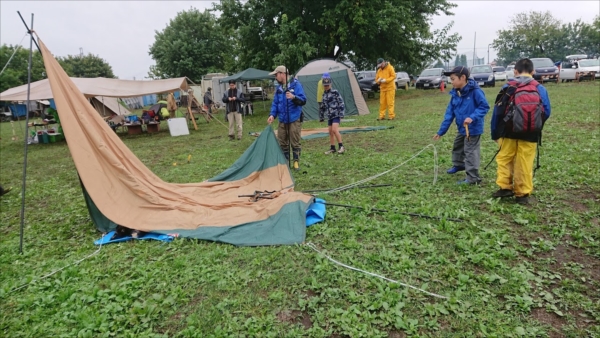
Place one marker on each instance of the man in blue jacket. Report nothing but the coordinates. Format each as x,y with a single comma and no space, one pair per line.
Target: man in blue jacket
287,107
467,107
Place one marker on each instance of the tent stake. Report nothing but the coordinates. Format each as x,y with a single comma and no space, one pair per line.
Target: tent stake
393,211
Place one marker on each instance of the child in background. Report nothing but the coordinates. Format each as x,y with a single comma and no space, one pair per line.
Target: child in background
333,108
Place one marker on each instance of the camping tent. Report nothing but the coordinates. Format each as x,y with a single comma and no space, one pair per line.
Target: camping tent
343,80
120,189
108,106
248,75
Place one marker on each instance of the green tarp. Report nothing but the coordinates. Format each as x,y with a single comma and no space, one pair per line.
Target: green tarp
287,226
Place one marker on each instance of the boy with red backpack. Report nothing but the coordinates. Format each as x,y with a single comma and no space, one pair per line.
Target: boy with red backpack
522,107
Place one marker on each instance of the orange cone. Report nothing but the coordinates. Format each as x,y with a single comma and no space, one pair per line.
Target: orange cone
442,86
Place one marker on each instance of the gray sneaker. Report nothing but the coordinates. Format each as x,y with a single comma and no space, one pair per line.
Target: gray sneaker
330,151
341,150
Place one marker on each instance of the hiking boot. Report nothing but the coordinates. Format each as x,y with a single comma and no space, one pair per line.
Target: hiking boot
454,170
330,151
522,200
296,165
341,150
503,193
381,119
231,138
5,191
391,118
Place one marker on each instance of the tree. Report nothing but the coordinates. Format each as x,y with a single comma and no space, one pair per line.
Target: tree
86,66
463,60
15,73
537,34
292,32
191,45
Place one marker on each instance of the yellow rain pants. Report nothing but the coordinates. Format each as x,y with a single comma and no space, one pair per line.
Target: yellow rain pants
515,165
386,101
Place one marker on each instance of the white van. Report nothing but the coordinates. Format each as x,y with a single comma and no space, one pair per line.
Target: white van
574,68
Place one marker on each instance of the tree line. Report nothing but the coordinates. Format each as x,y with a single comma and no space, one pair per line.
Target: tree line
15,73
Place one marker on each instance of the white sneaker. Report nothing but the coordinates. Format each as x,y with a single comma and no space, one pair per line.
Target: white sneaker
341,150
330,151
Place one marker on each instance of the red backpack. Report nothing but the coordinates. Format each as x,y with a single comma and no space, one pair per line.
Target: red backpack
524,113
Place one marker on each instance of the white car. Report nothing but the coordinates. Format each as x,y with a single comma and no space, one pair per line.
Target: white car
402,80
510,72
570,71
499,73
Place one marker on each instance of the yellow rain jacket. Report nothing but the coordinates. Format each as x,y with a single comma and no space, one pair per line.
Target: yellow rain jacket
389,75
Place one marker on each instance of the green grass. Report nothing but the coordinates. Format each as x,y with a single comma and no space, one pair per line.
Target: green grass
508,270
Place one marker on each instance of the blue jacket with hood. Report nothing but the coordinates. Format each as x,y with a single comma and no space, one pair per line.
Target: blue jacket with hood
294,106
470,102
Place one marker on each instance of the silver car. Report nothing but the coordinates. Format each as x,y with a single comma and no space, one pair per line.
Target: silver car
402,80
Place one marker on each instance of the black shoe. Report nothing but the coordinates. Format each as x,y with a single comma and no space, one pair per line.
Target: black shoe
522,200
503,193
231,138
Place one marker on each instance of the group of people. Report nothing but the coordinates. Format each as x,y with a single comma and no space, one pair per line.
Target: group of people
520,111
287,105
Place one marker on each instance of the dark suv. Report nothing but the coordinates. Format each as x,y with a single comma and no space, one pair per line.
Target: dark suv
431,78
483,75
545,70
366,81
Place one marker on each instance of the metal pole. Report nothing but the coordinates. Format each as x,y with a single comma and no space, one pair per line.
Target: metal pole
26,135
474,41
489,63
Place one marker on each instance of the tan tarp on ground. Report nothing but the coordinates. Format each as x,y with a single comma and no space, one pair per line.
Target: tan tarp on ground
129,194
99,86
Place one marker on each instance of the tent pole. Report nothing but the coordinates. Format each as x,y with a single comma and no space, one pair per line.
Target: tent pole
30,31
103,107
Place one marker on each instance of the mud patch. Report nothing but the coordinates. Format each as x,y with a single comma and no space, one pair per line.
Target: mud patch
551,319
295,317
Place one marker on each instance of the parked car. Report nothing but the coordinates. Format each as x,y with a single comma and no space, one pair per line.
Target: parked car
499,73
430,78
257,93
574,70
483,75
545,70
510,72
402,80
366,81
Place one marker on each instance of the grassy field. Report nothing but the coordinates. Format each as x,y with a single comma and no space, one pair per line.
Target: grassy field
508,270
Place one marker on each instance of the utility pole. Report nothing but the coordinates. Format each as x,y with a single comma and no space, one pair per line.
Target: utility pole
80,52
489,61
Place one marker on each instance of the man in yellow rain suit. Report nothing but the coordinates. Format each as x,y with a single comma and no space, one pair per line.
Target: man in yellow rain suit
385,77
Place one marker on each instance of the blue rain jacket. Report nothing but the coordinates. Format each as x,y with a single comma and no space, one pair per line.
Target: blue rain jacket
470,102
294,107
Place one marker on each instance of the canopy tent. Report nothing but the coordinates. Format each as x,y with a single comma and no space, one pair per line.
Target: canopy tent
120,189
248,75
343,80
99,86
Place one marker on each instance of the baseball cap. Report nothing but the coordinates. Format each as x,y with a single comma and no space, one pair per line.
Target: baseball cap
326,81
279,69
231,81
379,62
458,70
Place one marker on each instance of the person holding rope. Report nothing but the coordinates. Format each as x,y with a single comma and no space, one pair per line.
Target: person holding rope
287,107
467,107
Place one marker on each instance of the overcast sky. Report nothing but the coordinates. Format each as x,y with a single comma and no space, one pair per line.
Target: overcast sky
121,32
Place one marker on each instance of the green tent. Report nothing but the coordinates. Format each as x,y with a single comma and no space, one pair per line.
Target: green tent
248,75
343,80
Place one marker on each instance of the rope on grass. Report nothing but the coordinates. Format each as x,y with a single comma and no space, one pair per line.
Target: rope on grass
363,181
52,273
312,246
